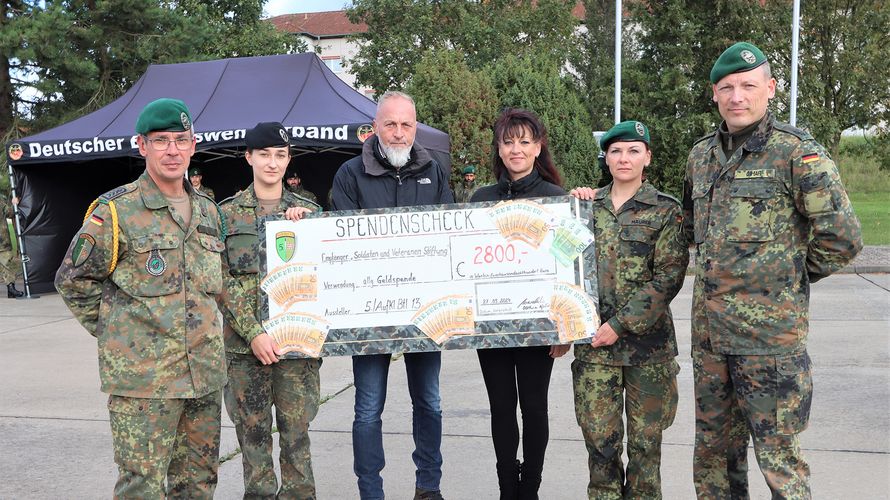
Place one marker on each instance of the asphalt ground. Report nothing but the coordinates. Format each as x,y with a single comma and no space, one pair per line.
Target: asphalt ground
55,440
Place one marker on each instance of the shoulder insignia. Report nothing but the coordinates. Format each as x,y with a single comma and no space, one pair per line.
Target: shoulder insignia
118,192
705,137
305,200
790,129
665,195
227,200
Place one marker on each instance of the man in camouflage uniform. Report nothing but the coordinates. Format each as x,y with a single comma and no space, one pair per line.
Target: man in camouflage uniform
7,253
295,186
196,177
144,275
464,191
768,215
641,260
258,379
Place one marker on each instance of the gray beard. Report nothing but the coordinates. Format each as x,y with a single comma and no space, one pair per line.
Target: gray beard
397,157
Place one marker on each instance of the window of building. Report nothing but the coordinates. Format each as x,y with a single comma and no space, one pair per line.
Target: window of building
335,63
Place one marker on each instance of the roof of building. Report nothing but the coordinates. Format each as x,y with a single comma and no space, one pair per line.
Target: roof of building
334,23
318,24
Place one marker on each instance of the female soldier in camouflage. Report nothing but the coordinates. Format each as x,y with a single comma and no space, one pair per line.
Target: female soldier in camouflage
641,261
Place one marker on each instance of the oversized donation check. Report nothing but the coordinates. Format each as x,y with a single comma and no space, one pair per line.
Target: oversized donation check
426,278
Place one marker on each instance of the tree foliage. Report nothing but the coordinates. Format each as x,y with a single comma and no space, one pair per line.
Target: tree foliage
452,97
534,83
844,78
400,32
64,58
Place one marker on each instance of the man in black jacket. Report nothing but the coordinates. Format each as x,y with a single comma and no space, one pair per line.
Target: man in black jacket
392,171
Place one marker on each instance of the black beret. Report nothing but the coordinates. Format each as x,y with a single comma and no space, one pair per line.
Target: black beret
267,135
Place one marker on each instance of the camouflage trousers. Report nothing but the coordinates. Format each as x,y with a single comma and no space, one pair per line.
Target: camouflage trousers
767,396
648,396
8,264
292,386
173,438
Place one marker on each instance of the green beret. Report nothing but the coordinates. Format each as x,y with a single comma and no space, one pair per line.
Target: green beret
739,58
469,169
624,132
194,171
267,135
169,115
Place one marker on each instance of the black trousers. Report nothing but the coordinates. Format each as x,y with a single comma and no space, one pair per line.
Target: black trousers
518,374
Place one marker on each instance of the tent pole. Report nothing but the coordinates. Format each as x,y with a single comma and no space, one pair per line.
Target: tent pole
795,36
18,234
618,20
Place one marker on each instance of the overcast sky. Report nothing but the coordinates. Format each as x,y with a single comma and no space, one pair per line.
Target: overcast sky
278,7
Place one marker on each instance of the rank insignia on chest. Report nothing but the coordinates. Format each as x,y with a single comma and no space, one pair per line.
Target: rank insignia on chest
82,249
155,265
285,245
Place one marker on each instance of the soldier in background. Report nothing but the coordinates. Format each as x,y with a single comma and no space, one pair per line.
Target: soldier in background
630,368
8,252
145,275
464,191
195,176
766,211
258,379
295,186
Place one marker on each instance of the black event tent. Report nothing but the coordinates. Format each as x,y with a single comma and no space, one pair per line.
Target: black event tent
57,173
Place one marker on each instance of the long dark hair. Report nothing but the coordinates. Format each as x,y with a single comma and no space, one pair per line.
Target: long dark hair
511,124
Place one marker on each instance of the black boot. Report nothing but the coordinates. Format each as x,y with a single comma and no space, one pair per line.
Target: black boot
508,480
529,484
12,293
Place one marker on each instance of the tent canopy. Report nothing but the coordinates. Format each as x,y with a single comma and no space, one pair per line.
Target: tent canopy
58,172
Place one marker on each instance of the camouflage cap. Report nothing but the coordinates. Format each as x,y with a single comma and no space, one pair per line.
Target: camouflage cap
469,169
625,132
169,115
267,135
739,58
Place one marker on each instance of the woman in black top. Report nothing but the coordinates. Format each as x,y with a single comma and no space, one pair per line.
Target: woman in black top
522,164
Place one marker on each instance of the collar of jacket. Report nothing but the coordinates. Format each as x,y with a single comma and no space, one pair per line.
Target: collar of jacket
525,184
757,141
646,194
376,165
152,196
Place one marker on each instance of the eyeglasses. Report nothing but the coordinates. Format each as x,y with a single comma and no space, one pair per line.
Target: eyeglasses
162,143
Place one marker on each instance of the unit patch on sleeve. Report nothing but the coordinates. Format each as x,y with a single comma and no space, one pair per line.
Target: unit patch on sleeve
82,249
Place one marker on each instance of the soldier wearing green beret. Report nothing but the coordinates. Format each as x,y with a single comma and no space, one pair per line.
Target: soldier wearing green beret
258,379
145,275
767,214
464,191
294,184
630,369
196,176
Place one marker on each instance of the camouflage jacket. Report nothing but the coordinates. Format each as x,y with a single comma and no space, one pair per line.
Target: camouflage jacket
209,192
463,193
766,223
641,260
155,316
244,253
5,241
302,193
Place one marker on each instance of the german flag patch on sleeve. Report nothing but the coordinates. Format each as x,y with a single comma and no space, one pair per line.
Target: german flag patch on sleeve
809,158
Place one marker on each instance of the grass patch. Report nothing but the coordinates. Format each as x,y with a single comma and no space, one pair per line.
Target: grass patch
873,210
